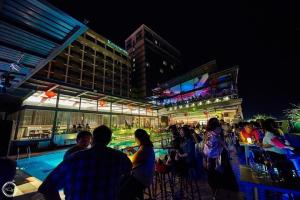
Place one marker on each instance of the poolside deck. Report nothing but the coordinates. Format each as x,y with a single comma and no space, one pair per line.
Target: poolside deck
27,187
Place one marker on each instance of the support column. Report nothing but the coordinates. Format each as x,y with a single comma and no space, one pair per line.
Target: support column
104,73
139,117
54,120
17,125
113,78
110,115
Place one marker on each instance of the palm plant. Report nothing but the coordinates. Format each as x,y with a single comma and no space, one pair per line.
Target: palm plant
293,114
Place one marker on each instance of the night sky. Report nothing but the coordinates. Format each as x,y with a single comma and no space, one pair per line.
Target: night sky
262,37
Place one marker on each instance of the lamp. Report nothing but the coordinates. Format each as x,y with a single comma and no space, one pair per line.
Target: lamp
249,140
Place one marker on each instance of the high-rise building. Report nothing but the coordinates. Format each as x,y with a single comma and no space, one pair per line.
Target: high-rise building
93,63
154,60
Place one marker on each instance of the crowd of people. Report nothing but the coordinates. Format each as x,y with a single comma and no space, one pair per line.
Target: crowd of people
92,170
217,141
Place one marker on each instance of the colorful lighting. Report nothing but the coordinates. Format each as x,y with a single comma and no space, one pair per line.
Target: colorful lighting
102,103
50,94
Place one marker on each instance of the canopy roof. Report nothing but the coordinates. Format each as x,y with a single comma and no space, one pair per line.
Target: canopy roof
32,33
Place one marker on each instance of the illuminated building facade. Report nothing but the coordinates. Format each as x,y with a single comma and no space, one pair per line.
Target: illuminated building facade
86,85
201,94
154,61
91,62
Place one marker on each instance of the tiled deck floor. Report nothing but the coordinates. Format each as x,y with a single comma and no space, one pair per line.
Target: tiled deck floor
27,187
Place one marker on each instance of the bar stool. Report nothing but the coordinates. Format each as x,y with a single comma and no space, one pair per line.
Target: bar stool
187,183
164,180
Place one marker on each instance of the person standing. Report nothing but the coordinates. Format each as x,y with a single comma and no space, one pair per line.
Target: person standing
95,173
216,160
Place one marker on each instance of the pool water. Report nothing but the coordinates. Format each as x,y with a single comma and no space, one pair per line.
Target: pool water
40,166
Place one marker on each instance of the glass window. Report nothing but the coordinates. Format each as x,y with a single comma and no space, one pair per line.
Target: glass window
40,98
63,122
149,112
70,102
88,104
142,111
103,106
135,110
116,108
128,120
128,44
105,120
92,120
127,109
35,124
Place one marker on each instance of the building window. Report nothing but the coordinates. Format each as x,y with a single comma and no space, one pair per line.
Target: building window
90,38
172,67
147,64
165,63
133,60
128,44
161,71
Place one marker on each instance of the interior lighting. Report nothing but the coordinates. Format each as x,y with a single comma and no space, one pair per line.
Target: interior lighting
226,98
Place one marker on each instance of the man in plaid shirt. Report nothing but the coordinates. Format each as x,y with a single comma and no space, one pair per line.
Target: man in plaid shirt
90,174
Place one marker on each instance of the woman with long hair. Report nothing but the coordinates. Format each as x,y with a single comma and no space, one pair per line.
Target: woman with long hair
186,153
143,161
276,148
216,162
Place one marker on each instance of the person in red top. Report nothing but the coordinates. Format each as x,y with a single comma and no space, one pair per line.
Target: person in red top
249,132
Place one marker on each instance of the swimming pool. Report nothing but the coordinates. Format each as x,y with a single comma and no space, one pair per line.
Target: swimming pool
40,166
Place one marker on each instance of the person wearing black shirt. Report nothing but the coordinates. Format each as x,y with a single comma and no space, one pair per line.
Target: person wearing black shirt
83,140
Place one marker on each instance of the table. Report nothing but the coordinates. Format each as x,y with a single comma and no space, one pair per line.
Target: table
246,145
260,186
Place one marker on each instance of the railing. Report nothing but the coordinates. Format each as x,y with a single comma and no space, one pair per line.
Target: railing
231,94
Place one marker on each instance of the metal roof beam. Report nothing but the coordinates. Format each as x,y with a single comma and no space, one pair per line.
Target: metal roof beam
53,87
81,93
23,50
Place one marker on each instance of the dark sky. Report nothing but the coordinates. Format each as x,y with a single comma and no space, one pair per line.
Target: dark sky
262,37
